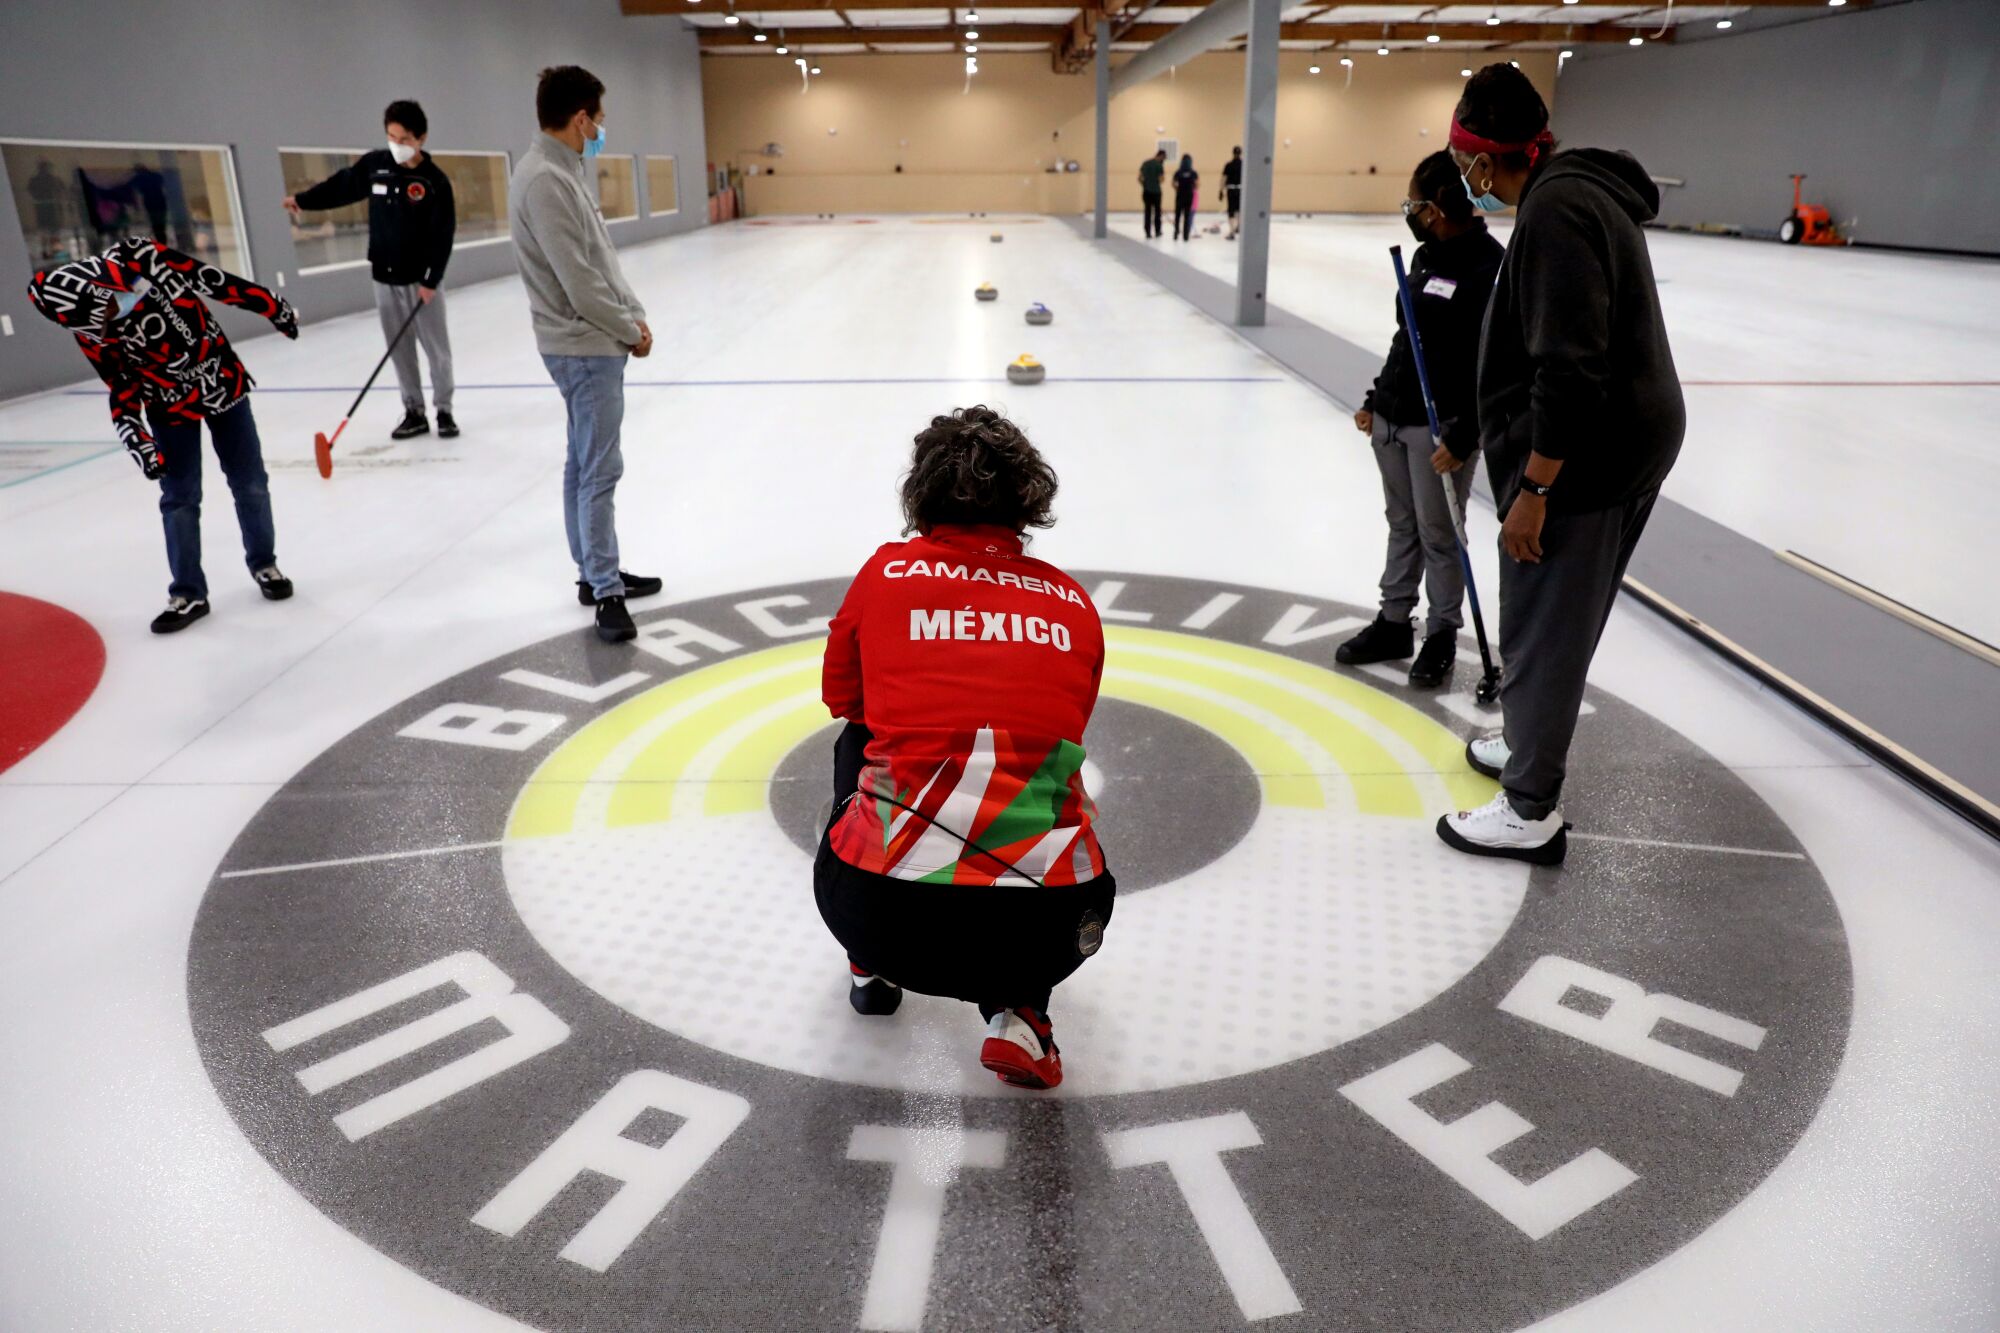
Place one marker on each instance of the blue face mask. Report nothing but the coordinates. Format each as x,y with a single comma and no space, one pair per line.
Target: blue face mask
592,147
1485,203
129,301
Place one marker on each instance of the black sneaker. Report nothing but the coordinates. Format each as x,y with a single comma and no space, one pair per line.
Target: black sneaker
1382,641
414,423
1435,662
871,995
636,585
180,613
614,622
447,428
274,585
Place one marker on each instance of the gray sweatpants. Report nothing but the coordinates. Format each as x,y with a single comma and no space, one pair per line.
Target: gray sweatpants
393,305
1422,542
1551,616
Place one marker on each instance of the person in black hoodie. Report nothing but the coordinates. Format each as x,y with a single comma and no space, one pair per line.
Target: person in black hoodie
411,222
1451,274
1581,418
1185,181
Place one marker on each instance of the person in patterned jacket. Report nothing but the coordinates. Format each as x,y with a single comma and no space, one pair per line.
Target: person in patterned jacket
962,857
138,315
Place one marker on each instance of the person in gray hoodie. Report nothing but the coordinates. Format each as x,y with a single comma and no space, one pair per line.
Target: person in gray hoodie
587,320
1581,418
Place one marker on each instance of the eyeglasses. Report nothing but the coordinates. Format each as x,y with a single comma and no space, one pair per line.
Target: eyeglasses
1410,206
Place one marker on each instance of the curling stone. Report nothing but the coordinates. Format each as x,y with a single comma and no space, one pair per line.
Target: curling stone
1040,314
986,291
997,238
1026,370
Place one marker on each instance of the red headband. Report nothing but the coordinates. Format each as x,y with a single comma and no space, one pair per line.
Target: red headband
1465,141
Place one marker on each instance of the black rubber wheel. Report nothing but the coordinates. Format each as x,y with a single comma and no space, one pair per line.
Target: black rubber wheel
1792,230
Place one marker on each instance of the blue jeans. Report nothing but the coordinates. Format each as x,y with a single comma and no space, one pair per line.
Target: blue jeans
593,390
237,448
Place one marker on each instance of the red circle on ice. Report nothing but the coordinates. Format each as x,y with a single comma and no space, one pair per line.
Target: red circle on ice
54,661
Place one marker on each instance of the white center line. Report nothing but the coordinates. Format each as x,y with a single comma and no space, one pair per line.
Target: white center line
358,860
1690,846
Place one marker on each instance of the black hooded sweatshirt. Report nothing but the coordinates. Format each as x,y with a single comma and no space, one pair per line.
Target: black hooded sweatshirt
1573,357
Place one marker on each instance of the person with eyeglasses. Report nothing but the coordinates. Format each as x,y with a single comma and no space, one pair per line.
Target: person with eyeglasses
1451,275
587,320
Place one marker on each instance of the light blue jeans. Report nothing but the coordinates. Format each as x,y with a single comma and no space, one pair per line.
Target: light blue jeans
593,390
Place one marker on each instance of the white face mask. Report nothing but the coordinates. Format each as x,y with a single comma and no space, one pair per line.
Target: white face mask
403,153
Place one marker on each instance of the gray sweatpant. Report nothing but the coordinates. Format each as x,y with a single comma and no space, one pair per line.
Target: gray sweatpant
393,305
1422,542
1551,616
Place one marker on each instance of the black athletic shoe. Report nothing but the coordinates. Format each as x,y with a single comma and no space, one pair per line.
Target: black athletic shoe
1382,641
1435,662
871,995
274,585
414,423
636,585
180,613
614,622
447,428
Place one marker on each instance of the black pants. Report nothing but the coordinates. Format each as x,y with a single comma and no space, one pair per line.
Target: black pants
1152,203
999,947
1183,217
1551,616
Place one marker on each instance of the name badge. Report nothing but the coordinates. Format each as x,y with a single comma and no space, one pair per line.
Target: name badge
1441,287
381,189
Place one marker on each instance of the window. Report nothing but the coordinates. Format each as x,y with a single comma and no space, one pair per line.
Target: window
618,188
74,199
338,237
663,195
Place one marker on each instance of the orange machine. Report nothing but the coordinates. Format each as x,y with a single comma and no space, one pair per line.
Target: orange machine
1809,224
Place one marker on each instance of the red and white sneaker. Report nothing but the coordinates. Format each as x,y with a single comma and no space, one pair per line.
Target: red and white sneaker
1021,1049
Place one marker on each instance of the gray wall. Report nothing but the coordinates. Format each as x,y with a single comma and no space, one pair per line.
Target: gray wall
255,74
1893,114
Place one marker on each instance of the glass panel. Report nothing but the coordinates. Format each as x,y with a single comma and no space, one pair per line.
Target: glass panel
76,199
662,189
336,236
617,188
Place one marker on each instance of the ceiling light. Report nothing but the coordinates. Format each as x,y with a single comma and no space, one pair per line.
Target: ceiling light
730,19
1432,38
1835,4
1636,41
972,50
1723,23
815,69
1493,19
784,50
1312,69
1345,61
1465,74
1381,50
971,36
760,37
1565,55
972,16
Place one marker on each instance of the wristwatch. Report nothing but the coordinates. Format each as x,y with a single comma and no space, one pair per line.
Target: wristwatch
1534,487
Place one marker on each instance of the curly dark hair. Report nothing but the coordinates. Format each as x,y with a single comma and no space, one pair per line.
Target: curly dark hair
1500,103
975,466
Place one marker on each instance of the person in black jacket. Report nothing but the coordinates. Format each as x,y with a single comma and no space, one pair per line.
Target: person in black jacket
1232,190
411,222
1185,181
1581,418
1451,274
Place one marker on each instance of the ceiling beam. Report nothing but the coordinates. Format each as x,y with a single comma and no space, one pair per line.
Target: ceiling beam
1361,34
762,7
1041,34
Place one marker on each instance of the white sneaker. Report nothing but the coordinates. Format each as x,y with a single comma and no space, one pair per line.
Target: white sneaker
1488,755
1495,830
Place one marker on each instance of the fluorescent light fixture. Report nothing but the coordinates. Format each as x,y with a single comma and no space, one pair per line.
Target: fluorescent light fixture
1381,50
784,50
1433,38
1345,61
971,36
1636,41
972,50
1493,19
1312,69
760,37
1465,74
731,20
1835,4
1724,23
815,69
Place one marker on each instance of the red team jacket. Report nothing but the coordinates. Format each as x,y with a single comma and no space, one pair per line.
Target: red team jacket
976,668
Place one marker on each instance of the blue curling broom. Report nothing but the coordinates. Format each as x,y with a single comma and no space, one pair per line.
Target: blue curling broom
1489,680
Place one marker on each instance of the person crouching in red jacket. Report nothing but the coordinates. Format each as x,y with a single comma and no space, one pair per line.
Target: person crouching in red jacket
962,858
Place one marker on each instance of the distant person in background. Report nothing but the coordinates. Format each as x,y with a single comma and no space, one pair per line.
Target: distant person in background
1232,190
1451,274
1151,173
136,311
1581,417
1185,181
412,220
46,188
587,320
149,187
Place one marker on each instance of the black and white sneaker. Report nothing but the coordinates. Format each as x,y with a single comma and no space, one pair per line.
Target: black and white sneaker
273,584
414,423
180,613
614,622
447,428
1382,641
1494,829
1434,663
871,995
1488,755
636,585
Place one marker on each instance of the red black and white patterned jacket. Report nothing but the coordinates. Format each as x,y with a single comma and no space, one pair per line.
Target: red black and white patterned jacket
168,352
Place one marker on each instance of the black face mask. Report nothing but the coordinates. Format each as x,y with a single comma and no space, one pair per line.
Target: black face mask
1418,229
